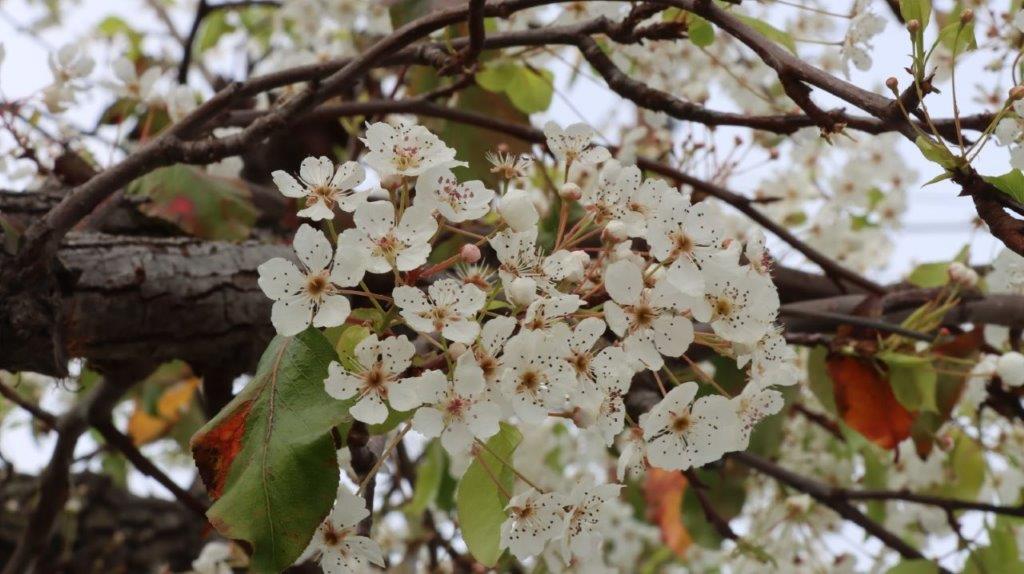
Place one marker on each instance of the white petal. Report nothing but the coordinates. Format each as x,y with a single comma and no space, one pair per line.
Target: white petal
349,175
339,383
279,278
672,335
313,248
624,282
461,331
333,311
370,410
376,218
291,316
288,185
349,266
428,421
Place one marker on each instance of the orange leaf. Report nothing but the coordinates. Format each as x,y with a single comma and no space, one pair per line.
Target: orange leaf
866,403
144,427
664,491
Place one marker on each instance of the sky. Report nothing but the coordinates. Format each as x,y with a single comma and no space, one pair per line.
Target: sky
938,223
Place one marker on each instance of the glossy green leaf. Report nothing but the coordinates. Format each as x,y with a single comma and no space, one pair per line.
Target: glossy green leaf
267,458
959,38
927,275
200,204
936,152
918,566
528,89
913,380
1011,183
818,379
429,475
770,32
1001,555
919,10
700,31
967,466
480,502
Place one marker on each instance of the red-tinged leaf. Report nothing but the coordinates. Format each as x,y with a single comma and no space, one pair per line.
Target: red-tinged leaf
866,403
268,459
664,492
198,203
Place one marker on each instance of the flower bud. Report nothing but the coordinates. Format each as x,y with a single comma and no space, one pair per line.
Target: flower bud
614,232
962,275
522,291
913,26
469,253
577,264
570,192
893,84
1017,93
967,16
1010,368
391,182
518,211
455,350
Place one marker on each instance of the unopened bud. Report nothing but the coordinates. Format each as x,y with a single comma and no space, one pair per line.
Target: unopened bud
913,26
570,191
967,16
614,232
1010,368
893,84
391,182
962,275
470,253
455,350
522,291
944,442
1017,93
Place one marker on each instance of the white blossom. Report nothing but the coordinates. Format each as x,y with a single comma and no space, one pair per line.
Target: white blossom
407,150
450,309
535,378
458,410
439,189
310,296
534,519
589,513
380,364
336,544
572,145
323,187
384,244
683,433
649,319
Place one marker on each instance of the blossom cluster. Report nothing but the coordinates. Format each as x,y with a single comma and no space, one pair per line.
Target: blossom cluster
564,328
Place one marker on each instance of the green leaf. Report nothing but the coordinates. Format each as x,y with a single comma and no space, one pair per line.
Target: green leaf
913,380
429,475
959,38
346,345
919,10
927,275
267,458
198,203
1001,555
770,32
874,478
700,31
941,177
936,152
480,503
918,566
967,462
214,27
1011,183
818,379
529,90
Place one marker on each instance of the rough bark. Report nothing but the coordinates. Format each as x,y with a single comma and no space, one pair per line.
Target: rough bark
105,530
115,298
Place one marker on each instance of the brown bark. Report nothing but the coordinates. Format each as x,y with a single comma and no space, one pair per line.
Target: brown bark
120,298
